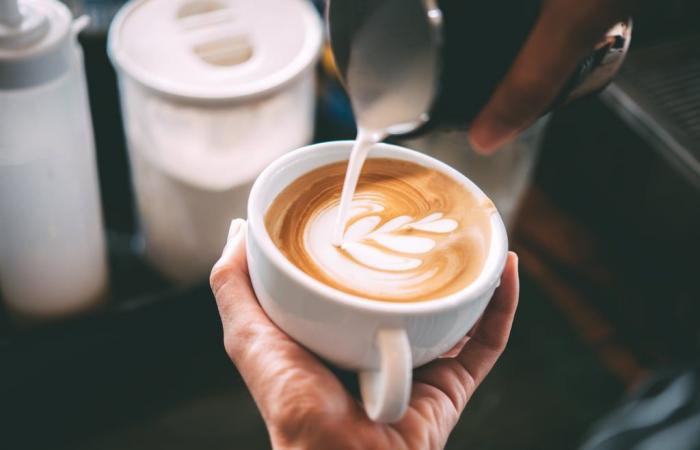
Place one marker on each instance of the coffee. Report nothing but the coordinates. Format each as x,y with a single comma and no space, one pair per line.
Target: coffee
413,233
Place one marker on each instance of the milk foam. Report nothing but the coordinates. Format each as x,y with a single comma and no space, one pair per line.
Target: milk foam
381,256
411,233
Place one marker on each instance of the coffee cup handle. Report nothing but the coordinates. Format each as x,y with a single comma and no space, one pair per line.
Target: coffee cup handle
385,392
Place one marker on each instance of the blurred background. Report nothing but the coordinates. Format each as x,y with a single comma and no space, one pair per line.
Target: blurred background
602,200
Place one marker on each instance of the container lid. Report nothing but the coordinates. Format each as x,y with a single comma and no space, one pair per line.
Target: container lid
215,49
35,41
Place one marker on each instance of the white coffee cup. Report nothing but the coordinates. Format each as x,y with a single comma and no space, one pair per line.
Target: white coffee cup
381,340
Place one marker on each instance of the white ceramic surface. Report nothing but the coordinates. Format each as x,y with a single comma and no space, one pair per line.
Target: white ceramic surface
382,340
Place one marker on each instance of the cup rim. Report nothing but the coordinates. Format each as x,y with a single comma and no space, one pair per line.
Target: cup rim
489,276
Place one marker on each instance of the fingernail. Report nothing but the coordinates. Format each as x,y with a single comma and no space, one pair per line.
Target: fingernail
233,231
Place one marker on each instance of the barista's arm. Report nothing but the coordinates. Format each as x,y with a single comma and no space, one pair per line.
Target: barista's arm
565,32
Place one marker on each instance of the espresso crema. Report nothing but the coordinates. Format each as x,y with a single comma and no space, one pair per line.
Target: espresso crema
412,233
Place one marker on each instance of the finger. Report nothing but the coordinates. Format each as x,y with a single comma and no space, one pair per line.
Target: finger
268,360
230,283
564,34
475,327
231,260
454,351
242,317
490,338
455,379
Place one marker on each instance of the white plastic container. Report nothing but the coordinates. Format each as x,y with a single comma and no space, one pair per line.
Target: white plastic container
52,249
211,92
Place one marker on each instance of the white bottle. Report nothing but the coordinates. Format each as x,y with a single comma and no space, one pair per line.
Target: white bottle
52,248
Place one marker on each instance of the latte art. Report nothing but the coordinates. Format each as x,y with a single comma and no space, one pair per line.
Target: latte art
390,247
412,233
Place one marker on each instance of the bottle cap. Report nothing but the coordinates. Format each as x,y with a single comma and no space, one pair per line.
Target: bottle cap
36,39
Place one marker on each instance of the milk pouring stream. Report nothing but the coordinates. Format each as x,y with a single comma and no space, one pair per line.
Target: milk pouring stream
409,65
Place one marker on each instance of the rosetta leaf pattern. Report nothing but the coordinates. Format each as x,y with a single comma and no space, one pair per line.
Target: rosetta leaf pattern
390,234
